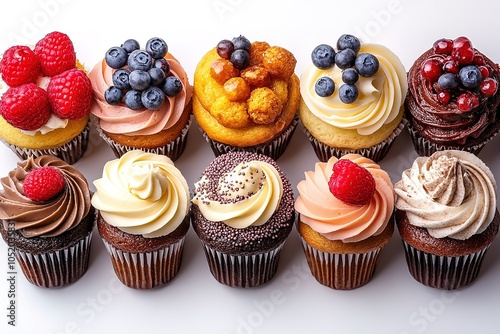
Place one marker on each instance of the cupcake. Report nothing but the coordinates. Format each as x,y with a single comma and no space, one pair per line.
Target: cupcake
447,217
45,100
142,203
246,97
352,99
345,208
47,220
242,213
142,99
453,98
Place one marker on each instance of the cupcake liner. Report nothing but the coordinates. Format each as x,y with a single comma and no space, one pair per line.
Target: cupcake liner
341,271
70,152
58,268
443,272
149,269
244,271
273,149
376,152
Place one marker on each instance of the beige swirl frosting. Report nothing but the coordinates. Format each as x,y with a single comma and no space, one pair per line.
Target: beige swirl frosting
380,96
44,218
247,195
122,120
333,218
142,193
451,194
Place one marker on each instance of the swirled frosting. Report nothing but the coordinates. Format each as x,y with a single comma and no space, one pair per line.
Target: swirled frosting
451,194
333,218
44,218
122,120
380,96
246,195
142,193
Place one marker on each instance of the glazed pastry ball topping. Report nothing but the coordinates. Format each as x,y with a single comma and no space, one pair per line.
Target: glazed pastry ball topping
346,58
142,78
460,75
351,183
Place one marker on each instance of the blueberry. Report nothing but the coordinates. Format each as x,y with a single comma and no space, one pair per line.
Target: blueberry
348,93
133,99
120,79
240,59
323,56
130,45
157,76
241,43
448,81
113,95
152,98
470,76
116,57
324,87
139,79
225,48
348,42
172,86
156,47
345,58
139,60
163,64
350,76
366,64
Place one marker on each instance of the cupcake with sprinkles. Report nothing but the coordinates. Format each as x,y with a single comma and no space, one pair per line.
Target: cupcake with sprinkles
243,212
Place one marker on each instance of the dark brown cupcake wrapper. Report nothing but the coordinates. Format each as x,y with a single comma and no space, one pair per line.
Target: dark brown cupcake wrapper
147,270
58,268
376,152
443,272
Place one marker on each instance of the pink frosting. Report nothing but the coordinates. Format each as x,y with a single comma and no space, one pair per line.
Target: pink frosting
336,220
122,120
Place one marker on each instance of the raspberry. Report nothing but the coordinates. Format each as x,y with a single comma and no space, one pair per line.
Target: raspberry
56,53
43,183
19,66
351,183
25,107
70,94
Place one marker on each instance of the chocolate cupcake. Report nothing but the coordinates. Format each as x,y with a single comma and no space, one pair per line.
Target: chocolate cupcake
243,213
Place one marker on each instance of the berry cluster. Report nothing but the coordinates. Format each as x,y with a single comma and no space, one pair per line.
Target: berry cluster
43,183
352,63
68,95
460,74
351,183
141,78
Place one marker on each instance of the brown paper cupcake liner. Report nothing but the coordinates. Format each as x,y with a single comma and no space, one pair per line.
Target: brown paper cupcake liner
58,268
273,149
341,271
147,270
376,152
244,271
443,272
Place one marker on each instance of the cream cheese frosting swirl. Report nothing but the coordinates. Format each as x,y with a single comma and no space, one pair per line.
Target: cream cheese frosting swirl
44,218
380,96
333,218
247,195
142,193
451,194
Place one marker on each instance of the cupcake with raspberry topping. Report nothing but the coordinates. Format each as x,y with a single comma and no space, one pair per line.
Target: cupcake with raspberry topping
453,98
246,97
142,99
345,208
46,98
47,219
242,213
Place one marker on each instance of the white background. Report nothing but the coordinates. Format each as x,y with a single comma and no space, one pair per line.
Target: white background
393,302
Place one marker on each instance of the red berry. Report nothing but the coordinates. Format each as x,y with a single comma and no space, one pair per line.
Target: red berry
19,65
56,53
451,66
485,72
488,87
444,97
351,183
25,107
462,41
70,94
478,59
43,183
463,55
431,70
467,101
443,46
